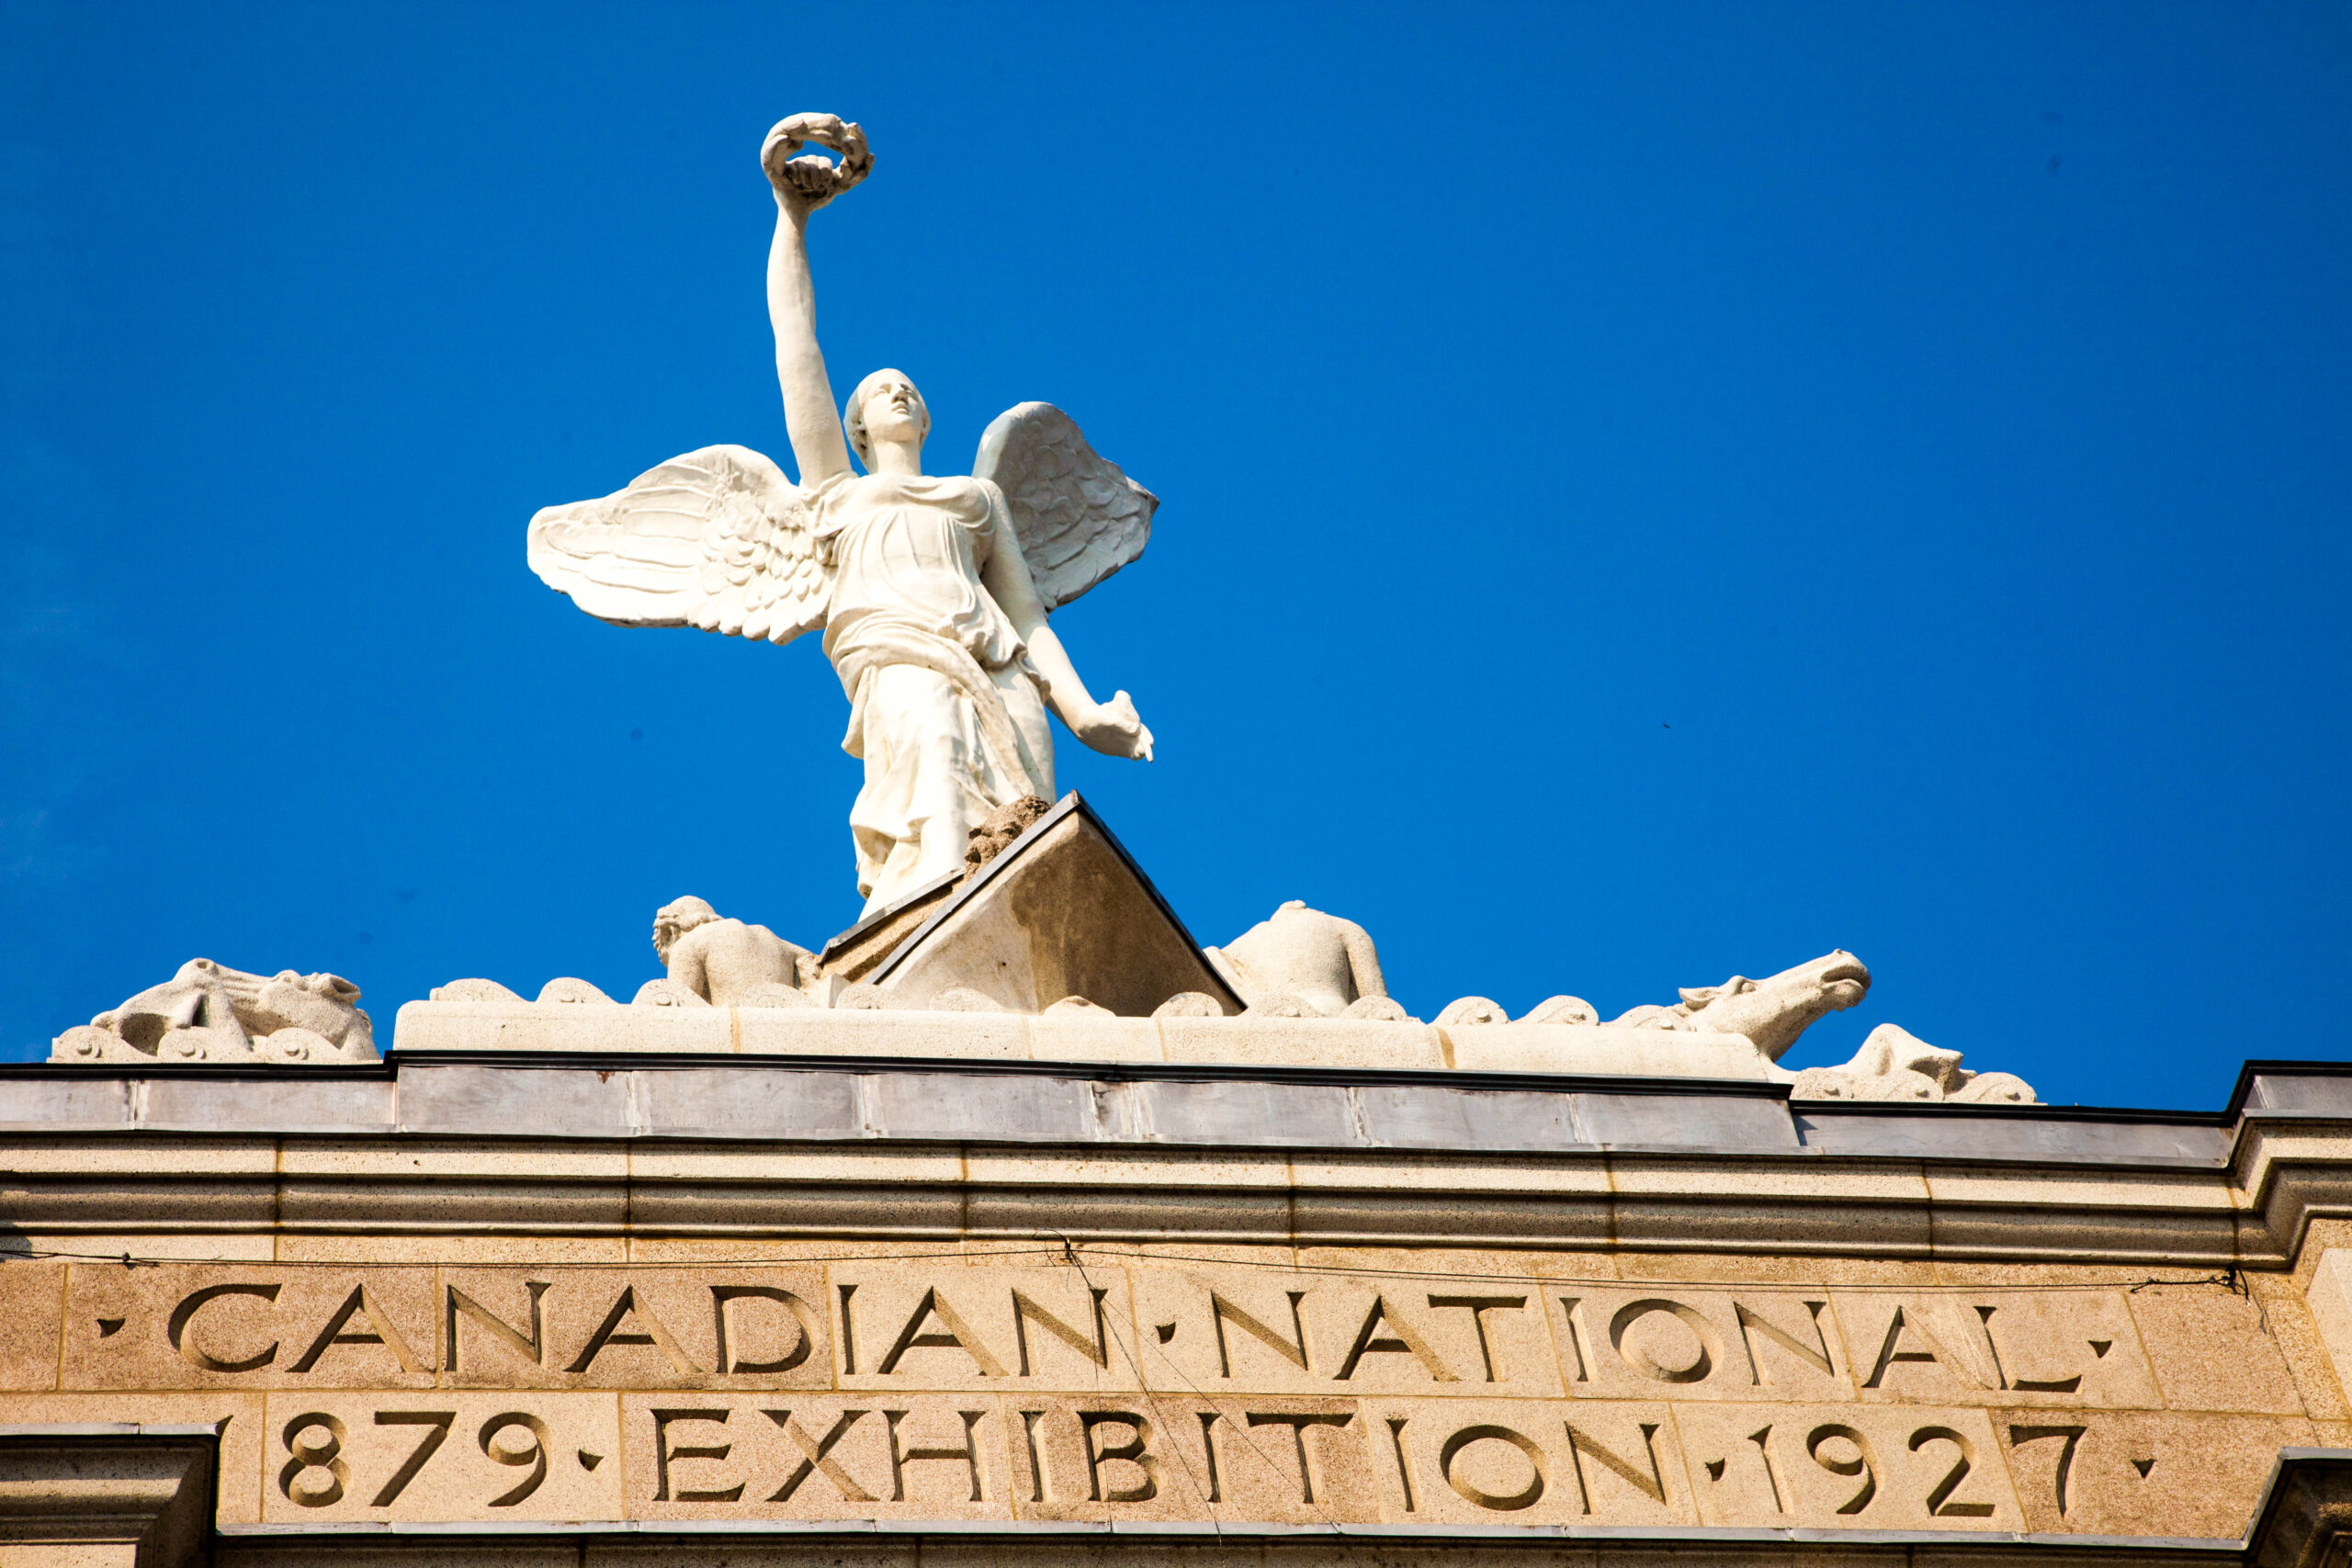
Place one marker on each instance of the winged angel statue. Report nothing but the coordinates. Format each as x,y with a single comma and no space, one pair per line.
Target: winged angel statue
932,592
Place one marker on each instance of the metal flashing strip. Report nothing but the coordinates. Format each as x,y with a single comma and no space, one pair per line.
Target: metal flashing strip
592,1095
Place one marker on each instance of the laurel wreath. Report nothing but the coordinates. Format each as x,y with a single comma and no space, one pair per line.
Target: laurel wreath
813,176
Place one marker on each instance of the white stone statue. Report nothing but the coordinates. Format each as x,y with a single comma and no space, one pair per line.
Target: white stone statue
1771,1011
1894,1063
209,1013
1302,963
719,961
933,594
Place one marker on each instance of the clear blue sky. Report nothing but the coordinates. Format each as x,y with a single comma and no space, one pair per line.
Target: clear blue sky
1649,492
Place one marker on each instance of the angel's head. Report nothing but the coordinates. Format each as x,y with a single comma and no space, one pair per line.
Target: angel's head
885,411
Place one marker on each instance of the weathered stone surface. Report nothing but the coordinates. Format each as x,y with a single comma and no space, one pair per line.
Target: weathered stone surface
2127,1472
442,1455
1006,933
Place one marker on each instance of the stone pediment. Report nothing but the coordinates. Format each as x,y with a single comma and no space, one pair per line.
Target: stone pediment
1062,911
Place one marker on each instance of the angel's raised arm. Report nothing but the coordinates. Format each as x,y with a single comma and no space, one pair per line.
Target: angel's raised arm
809,416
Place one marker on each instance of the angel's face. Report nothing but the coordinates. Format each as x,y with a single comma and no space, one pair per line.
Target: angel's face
894,411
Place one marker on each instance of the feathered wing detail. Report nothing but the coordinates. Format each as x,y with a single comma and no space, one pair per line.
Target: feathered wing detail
1080,517
718,539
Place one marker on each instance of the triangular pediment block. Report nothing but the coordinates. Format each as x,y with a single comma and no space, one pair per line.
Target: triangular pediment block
1063,911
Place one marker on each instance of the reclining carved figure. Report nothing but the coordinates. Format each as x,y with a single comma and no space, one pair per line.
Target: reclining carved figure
208,1013
722,962
1771,1011
1301,963
1894,1063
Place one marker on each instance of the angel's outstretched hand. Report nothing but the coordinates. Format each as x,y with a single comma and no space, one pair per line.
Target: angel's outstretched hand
1115,729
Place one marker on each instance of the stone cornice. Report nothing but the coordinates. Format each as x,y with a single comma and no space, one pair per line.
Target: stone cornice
79,1488
1305,1157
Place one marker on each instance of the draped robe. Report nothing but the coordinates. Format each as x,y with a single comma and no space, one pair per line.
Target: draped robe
946,710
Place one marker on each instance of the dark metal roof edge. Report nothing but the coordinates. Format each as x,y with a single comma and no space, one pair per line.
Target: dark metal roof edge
867,922
2251,1070
2038,1112
302,1072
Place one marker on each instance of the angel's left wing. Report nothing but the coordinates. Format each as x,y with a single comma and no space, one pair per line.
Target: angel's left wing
1080,518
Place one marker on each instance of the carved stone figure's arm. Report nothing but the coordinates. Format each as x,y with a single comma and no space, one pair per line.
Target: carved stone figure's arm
686,966
1363,960
1112,728
808,413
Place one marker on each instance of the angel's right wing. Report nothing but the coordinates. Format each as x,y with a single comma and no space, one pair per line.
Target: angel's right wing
718,539
1080,517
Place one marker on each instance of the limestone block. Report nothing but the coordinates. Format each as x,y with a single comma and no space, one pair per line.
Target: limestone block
462,1099
1603,1050
441,1455
529,1026
1266,1331
32,1296
1859,1468
2129,1472
1280,1459
874,1032
1302,1043
1229,1112
1695,1342
1477,1462
724,1102
1093,1039
2211,1351
193,1326
583,1327
820,1456
933,1326
2329,1295
2077,1349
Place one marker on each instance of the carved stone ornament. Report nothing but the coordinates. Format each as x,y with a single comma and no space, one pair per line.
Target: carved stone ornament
1894,1063
1303,959
1771,1011
210,1013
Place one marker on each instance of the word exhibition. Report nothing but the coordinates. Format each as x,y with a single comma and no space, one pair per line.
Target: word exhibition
1096,1386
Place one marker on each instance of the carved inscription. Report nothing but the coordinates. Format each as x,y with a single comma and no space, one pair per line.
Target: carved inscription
1086,1390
